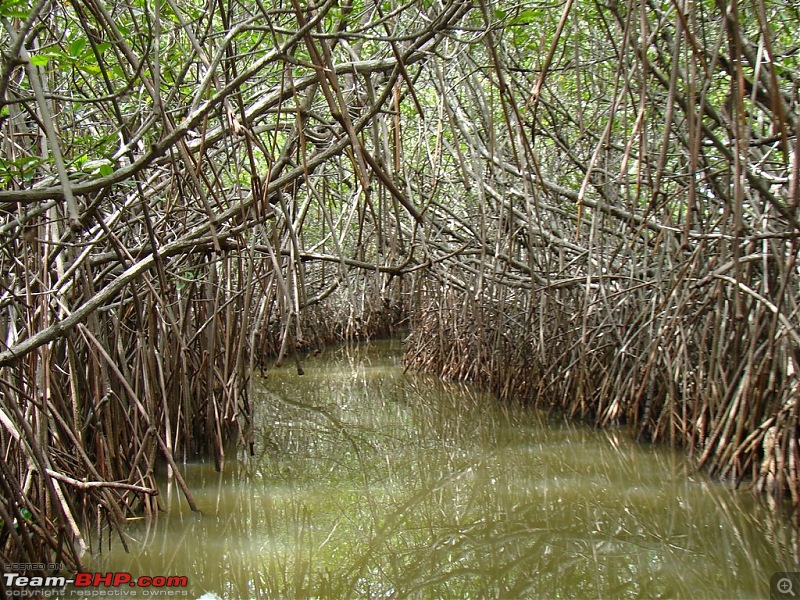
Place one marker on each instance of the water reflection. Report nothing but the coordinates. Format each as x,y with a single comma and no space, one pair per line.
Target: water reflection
369,483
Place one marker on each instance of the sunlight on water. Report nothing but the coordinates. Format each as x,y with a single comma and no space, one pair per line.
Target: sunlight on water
371,483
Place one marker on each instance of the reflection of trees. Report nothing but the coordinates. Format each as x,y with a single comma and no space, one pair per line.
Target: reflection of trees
393,486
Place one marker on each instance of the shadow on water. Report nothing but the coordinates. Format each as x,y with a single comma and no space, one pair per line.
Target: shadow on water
371,483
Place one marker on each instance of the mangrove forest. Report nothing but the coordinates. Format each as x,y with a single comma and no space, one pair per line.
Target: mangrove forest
589,207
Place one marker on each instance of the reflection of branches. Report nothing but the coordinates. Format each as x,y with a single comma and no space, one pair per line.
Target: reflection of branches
395,522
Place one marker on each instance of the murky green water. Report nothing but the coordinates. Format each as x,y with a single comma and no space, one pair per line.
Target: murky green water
368,483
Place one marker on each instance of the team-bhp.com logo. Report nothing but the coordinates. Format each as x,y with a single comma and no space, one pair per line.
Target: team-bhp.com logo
94,584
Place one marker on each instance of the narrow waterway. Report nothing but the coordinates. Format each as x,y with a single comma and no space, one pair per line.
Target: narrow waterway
370,483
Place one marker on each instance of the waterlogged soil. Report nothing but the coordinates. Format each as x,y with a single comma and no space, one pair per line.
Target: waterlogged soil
368,482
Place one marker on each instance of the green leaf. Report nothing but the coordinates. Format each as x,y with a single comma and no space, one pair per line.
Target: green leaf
92,69
40,60
526,17
77,46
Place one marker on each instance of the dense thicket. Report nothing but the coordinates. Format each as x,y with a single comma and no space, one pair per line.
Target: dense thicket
589,205
635,198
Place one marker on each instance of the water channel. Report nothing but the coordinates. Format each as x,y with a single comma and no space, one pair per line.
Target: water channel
370,483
